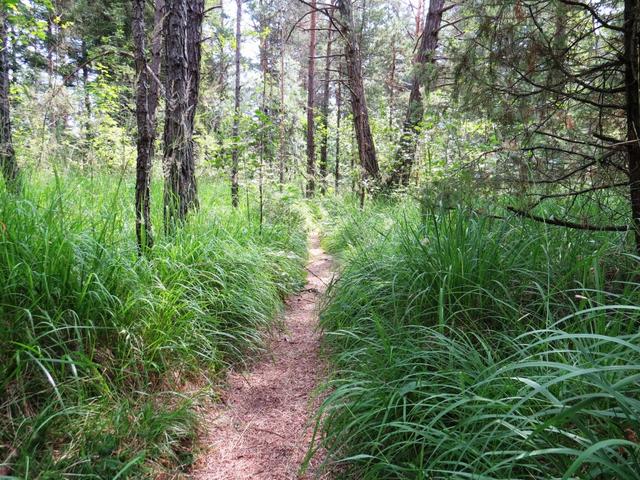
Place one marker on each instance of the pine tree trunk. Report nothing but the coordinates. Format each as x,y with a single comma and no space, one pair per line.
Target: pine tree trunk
88,131
50,47
10,169
156,49
338,120
195,16
177,140
352,161
392,82
235,154
263,109
146,106
311,146
281,165
415,110
221,90
632,62
183,32
353,59
324,119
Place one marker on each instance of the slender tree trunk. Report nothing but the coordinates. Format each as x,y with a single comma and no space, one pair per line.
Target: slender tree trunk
353,58
177,139
311,146
263,109
146,107
415,111
338,120
392,82
324,120
352,161
10,169
195,16
262,148
282,113
51,115
235,154
632,62
50,47
419,15
145,143
88,131
156,49
221,90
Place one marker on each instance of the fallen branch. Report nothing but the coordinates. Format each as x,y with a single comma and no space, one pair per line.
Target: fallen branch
567,224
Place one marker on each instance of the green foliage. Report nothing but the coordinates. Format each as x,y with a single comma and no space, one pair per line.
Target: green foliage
469,347
97,343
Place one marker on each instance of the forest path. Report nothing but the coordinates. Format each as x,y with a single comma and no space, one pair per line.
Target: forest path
263,427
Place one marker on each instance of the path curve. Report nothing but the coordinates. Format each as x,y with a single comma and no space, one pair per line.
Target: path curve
263,426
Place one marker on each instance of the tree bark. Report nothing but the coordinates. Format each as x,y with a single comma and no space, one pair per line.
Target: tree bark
146,107
311,146
177,139
263,109
195,16
50,48
338,120
281,165
324,118
235,154
88,131
183,32
392,81
415,110
353,60
10,169
632,59
221,90
156,49
352,161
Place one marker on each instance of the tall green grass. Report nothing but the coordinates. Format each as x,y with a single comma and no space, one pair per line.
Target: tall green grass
468,347
97,343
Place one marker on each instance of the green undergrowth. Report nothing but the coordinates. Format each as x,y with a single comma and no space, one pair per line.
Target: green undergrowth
97,343
468,347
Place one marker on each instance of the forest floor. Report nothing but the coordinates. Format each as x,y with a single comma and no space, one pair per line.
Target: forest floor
263,426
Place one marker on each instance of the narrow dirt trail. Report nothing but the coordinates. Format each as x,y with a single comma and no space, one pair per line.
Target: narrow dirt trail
263,427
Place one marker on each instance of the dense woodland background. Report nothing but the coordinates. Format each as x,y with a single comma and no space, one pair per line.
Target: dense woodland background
511,99
474,165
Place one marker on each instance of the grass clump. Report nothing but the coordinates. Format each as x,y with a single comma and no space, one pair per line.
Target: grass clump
470,347
97,342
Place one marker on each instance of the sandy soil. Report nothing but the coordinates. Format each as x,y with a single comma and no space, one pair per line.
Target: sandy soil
263,426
